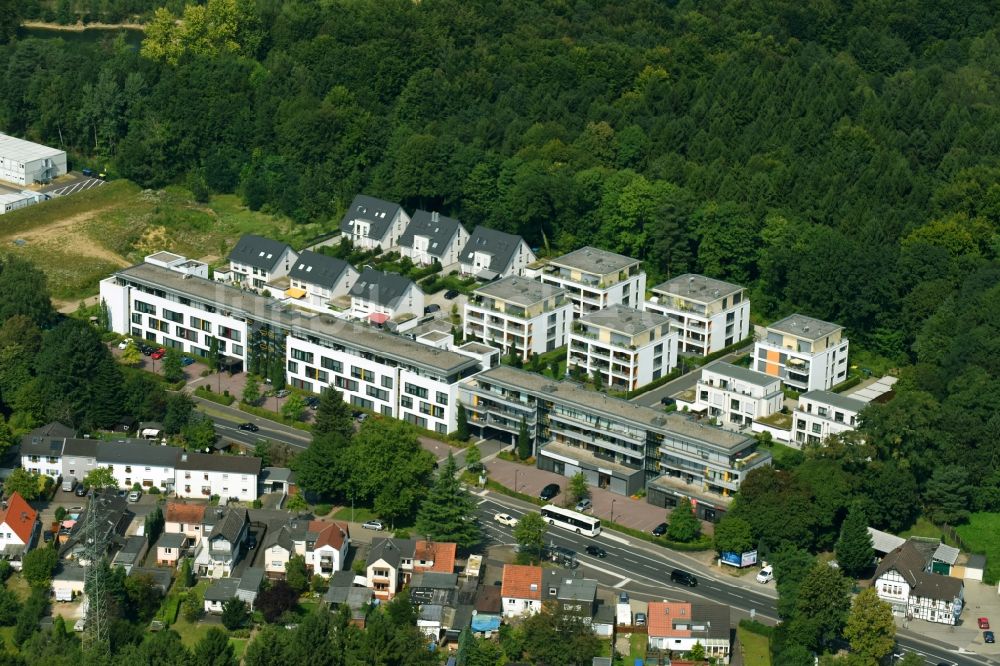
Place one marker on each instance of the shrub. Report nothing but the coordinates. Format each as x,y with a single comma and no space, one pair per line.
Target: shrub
322,509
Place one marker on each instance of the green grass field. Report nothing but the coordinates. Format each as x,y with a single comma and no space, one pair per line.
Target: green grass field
925,528
756,648
78,240
637,646
982,535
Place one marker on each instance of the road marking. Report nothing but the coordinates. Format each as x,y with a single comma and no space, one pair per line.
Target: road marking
623,582
604,571
612,537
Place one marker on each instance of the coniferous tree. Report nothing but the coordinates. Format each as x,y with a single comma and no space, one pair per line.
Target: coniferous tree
333,415
523,441
854,547
447,513
462,423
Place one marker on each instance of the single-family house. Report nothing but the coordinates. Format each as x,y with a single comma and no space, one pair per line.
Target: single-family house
19,529
576,597
317,278
131,554
521,589
202,475
371,223
391,562
244,588
903,580
379,296
186,520
256,260
679,626
489,254
169,548
222,548
67,583
431,237
321,543
489,609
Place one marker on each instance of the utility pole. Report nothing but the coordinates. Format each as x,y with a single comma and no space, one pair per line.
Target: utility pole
95,550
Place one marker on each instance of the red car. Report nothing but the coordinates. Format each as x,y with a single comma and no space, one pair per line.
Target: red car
984,623
158,354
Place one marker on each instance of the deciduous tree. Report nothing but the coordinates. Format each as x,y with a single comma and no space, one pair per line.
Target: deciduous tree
296,575
24,483
530,533
821,607
523,441
684,525
234,614
870,628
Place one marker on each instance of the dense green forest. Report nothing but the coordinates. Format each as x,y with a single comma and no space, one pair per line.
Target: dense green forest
839,159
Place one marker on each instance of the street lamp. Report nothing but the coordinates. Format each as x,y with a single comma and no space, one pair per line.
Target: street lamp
516,470
612,519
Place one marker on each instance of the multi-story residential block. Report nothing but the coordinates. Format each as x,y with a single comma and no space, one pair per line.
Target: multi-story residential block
322,544
431,237
204,475
256,260
628,347
391,562
736,397
379,296
519,316
490,253
710,314
821,414
376,370
594,279
904,580
616,444
678,626
807,354
371,223
224,543
19,529
317,279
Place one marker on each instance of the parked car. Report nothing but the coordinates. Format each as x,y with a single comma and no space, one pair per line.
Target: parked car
667,401
549,491
134,496
683,578
988,637
660,529
597,551
373,525
283,393
81,490
983,622
432,308
124,343
87,172
506,519
251,541
251,427
451,293
362,417
158,354
186,360
146,349
584,504
640,619
312,402
765,575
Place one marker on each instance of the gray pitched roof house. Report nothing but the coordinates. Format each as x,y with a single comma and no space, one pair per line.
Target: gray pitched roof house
490,253
370,222
433,237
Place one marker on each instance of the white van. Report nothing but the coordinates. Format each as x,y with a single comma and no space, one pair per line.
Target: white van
765,575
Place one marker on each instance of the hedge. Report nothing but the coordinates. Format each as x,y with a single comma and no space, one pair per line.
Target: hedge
274,416
755,627
218,398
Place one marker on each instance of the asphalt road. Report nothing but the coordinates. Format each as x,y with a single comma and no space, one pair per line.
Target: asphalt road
644,572
682,383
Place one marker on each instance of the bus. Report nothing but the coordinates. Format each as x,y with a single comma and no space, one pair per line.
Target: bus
571,520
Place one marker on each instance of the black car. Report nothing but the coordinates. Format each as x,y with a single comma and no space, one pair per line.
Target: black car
81,490
146,350
312,402
549,491
667,401
432,308
451,293
683,578
252,427
251,541
660,529
597,551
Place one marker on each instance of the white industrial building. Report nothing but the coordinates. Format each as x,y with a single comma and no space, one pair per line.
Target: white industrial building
24,163
23,199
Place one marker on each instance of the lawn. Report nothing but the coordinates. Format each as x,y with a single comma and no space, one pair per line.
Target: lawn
756,648
785,457
239,646
925,528
360,513
78,240
982,535
637,646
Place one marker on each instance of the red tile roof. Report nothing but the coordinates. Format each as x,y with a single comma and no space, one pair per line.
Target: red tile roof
522,581
662,615
441,554
182,512
329,534
19,517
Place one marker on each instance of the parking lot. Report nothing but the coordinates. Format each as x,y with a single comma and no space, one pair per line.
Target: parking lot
78,183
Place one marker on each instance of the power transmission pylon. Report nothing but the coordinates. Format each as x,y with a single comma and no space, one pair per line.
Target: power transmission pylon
95,552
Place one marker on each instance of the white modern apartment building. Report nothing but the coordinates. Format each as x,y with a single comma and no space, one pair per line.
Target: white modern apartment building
519,316
376,370
736,397
821,414
807,354
594,279
710,314
628,347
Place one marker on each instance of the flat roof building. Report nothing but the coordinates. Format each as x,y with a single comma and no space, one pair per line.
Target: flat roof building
25,162
594,279
710,314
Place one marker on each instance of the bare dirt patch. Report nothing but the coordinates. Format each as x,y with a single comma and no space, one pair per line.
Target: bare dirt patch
65,234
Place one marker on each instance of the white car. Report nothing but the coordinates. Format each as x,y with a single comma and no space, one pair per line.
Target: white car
765,575
506,519
373,525
124,343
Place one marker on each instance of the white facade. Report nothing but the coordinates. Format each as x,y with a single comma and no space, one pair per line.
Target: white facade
257,278
735,396
44,465
202,484
361,237
821,414
147,476
628,347
24,162
411,302
319,295
423,253
893,589
807,354
594,279
710,314
9,202
520,316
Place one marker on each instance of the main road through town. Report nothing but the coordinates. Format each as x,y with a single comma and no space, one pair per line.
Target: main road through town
643,570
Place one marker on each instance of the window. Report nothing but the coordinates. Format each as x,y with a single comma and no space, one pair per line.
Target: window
378,393
175,317
136,318
186,334
816,427
418,391
345,383
299,355
442,398
406,402
300,384
230,333
293,366
386,381
315,373
734,404
201,324
330,364
145,307
238,350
